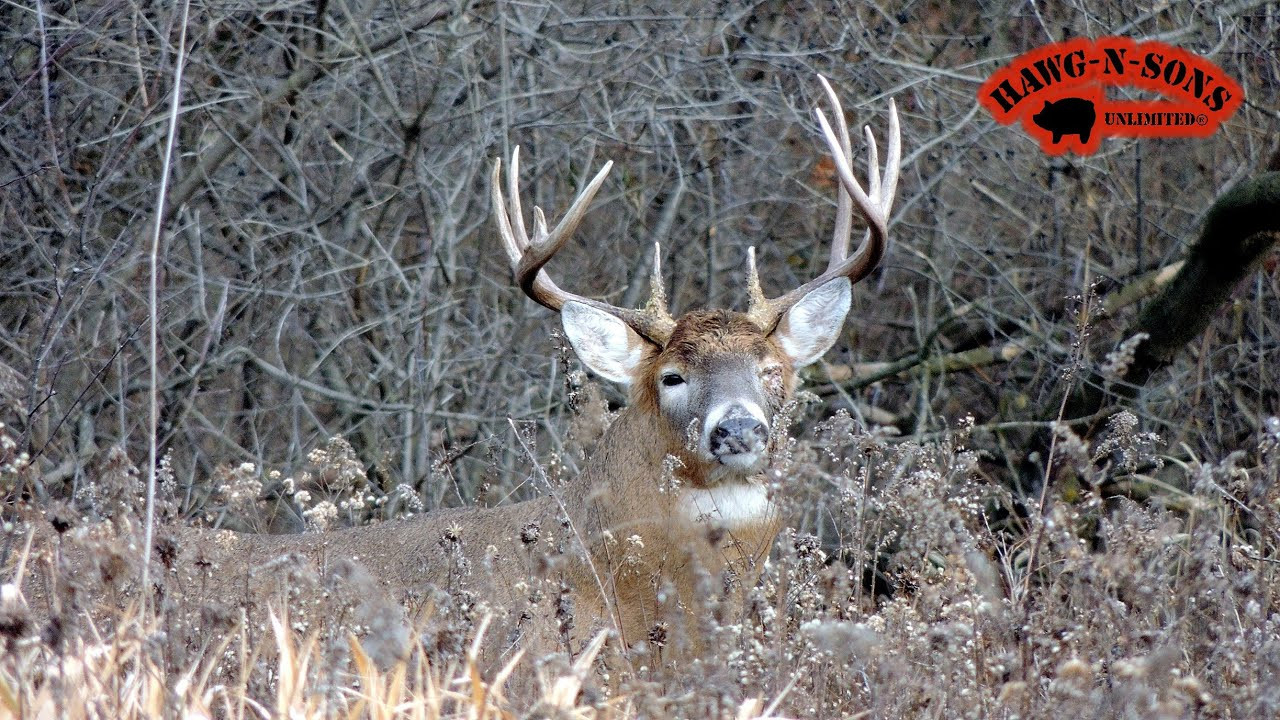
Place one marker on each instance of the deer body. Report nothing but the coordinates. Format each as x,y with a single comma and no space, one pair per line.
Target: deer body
674,496
616,535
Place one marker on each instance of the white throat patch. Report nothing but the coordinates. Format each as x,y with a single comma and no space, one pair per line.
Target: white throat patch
732,506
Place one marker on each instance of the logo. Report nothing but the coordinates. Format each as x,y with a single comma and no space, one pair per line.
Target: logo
1057,91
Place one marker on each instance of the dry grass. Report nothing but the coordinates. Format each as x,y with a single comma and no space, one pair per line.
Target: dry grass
917,602
121,676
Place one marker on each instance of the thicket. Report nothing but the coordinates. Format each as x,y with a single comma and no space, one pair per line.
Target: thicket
329,269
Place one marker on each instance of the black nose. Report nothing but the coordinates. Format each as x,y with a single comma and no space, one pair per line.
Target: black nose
738,435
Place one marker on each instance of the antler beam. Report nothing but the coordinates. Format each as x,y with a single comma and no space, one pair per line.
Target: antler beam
874,204
528,255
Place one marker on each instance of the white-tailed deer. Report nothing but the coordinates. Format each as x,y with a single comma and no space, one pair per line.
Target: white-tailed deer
675,487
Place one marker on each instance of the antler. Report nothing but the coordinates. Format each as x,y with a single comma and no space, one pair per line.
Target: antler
874,206
527,256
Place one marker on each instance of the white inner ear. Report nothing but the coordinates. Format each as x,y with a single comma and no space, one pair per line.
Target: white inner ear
603,342
812,325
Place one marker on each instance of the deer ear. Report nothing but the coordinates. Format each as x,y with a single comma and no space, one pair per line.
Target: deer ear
811,326
603,342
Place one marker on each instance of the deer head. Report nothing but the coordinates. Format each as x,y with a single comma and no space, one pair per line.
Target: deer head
712,379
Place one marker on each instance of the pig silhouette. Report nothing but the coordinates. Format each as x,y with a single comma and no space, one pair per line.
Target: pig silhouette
1068,116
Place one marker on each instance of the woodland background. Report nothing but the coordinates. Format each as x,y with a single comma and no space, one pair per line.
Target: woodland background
330,266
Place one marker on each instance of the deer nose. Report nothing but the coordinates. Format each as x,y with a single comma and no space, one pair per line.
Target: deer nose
738,435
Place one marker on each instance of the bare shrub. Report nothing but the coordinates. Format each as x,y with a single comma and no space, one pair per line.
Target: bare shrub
339,345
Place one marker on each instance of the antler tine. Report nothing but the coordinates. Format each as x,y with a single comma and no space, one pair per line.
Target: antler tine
892,164
510,243
873,162
844,203
755,293
657,289
513,189
528,255
873,206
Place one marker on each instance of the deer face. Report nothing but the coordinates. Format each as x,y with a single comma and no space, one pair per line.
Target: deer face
717,375
719,381
719,378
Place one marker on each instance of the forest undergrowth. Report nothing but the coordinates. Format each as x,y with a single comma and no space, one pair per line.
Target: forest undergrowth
942,598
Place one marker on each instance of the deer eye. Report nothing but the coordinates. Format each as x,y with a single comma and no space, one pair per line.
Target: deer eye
672,379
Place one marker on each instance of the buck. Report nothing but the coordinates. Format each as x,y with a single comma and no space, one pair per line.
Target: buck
675,490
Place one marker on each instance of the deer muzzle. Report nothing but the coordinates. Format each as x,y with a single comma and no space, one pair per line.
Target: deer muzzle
739,438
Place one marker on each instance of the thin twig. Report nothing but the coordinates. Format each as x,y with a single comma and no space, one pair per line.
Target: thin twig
153,416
